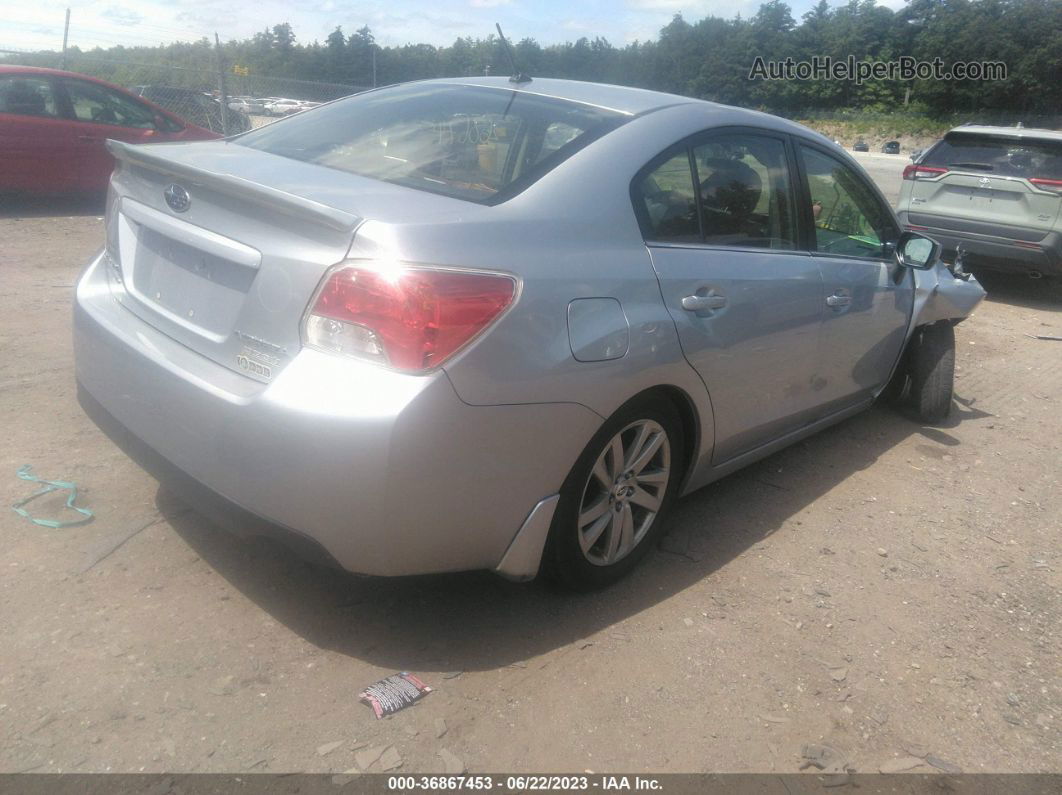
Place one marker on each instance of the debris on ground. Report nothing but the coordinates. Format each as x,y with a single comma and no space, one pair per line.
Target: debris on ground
900,764
440,727
766,718
391,759
366,758
393,693
453,763
940,764
47,487
327,748
827,759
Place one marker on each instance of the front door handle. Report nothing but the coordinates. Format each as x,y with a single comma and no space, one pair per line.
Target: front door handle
839,298
701,303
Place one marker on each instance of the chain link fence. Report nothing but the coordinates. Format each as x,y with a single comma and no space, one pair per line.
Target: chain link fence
225,99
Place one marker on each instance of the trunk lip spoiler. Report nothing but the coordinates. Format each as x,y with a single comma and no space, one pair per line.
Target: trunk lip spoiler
277,199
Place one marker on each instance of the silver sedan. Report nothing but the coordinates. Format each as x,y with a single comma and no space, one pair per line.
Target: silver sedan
479,324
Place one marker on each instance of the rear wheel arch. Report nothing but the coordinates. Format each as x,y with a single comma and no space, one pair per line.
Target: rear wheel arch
691,425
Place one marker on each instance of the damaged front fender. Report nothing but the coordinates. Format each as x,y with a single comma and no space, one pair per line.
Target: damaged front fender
941,295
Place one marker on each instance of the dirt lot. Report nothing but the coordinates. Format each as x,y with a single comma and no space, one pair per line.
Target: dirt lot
887,589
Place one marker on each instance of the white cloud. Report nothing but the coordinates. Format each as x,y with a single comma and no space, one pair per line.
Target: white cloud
122,16
488,3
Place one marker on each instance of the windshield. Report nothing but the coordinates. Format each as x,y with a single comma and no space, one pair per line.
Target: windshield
1006,157
468,142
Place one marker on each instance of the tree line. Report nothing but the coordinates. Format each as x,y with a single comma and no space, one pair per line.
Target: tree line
710,58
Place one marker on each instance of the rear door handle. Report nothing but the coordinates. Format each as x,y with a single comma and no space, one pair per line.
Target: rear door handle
839,299
701,303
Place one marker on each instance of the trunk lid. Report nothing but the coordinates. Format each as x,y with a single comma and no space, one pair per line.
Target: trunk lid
222,247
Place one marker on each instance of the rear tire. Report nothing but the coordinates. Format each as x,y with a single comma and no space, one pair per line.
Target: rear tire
614,501
924,382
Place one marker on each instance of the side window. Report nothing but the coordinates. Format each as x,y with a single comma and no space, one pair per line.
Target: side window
668,202
849,219
23,95
744,191
98,104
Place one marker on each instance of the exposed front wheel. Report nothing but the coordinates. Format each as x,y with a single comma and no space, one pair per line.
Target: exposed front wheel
924,383
613,501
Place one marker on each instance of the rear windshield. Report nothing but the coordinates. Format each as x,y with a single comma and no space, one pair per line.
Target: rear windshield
469,142
1007,157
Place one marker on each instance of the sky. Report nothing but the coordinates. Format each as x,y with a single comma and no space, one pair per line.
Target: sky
104,23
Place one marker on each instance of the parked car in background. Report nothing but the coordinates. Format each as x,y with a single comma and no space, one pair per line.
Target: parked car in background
54,126
860,146
472,324
198,107
891,147
283,107
251,106
996,192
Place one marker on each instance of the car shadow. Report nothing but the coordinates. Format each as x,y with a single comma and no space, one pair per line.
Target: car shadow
477,621
1018,289
52,206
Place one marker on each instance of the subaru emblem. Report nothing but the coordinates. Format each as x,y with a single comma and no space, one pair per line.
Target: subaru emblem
177,198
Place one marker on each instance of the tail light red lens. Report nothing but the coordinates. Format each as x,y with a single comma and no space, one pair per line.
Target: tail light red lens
412,319
1053,185
914,171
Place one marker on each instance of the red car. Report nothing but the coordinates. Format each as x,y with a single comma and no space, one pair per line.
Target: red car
54,125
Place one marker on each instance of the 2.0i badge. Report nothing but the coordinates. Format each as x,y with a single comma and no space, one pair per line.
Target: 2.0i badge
251,365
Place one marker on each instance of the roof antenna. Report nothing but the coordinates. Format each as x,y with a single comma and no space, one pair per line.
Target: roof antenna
518,76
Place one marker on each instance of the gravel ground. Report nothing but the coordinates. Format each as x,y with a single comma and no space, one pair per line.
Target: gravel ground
889,590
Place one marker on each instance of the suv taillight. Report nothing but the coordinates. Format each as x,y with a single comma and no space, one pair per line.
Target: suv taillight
1053,185
410,318
915,171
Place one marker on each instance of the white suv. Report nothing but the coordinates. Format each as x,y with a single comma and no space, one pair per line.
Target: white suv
994,191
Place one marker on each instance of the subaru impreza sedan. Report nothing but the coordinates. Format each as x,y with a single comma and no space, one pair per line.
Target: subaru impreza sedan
480,324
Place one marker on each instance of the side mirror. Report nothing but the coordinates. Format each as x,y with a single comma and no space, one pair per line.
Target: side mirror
917,251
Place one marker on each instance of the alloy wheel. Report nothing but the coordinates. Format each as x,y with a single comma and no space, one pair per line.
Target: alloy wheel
624,492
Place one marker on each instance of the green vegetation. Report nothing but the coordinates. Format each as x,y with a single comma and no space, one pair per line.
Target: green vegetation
710,59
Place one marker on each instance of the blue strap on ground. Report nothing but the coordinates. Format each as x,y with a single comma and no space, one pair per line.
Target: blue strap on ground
26,473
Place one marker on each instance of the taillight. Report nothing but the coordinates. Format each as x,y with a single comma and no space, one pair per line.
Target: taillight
410,318
914,171
1053,185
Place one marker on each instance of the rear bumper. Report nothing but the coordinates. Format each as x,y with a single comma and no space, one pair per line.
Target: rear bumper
993,252
389,474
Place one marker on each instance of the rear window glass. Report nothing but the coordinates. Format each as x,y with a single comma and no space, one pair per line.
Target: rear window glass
469,142
1007,157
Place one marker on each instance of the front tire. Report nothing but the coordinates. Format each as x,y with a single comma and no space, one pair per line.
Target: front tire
924,384
614,500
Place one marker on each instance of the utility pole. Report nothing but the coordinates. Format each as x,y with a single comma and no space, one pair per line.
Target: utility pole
374,64
66,35
221,88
